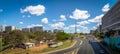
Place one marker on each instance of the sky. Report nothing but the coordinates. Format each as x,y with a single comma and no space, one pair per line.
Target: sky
54,14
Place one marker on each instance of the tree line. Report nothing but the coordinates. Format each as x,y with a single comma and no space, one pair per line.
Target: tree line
16,36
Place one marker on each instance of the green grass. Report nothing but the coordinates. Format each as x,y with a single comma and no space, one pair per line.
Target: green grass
81,36
65,45
0,44
24,51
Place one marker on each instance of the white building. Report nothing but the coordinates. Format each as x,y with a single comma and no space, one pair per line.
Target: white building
9,28
37,28
26,29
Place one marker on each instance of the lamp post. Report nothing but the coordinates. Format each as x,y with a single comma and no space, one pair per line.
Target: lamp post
75,28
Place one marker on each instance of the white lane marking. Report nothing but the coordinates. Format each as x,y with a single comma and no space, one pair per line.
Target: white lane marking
81,42
73,52
76,51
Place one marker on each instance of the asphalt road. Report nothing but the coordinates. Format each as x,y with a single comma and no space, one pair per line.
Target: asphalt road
88,46
77,45
98,49
85,48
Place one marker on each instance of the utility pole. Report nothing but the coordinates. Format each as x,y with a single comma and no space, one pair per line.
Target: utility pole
75,27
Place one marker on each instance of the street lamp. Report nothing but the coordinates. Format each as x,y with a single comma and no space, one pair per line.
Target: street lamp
75,27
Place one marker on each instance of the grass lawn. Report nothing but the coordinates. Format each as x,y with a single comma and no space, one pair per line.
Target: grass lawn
35,50
81,36
65,45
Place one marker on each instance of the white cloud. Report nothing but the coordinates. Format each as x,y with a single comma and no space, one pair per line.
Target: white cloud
78,30
94,27
84,28
33,25
72,26
79,14
44,20
83,23
63,18
106,8
96,19
98,24
1,10
34,10
66,28
21,22
58,25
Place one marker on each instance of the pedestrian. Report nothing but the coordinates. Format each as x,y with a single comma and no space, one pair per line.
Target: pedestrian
89,41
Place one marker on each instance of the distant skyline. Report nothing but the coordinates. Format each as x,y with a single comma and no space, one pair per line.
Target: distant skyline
54,14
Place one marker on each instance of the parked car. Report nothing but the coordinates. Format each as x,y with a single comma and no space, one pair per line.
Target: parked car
20,45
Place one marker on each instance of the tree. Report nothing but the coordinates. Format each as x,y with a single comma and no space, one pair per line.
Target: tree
17,37
0,44
39,35
110,33
61,36
96,33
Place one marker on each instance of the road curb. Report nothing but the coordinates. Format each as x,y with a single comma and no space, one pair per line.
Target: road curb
60,49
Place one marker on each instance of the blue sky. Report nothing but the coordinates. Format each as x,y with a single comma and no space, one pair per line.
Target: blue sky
54,14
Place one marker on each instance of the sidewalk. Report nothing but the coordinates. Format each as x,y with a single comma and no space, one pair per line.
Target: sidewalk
102,45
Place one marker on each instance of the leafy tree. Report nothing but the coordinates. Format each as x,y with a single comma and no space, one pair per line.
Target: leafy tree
96,33
0,44
110,33
14,37
62,36
39,35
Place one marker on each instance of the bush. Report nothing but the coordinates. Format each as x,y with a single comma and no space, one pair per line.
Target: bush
61,36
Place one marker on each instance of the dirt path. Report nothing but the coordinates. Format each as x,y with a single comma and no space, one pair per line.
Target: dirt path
37,49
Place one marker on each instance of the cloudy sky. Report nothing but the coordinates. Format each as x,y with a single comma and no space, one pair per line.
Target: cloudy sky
54,14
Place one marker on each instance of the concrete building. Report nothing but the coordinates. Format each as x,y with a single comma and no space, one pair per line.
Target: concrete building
1,28
92,31
9,28
99,29
48,31
111,20
56,30
16,28
37,28
31,29
26,29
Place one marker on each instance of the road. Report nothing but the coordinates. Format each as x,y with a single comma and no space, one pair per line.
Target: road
98,49
88,46
77,45
85,48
